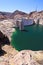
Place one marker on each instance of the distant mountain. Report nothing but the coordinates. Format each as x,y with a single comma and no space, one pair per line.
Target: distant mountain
20,14
7,14
36,14
4,15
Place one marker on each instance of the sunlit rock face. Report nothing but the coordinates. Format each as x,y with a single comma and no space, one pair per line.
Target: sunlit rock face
41,21
6,27
24,57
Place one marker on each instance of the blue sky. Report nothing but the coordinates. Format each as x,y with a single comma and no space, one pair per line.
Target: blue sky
23,5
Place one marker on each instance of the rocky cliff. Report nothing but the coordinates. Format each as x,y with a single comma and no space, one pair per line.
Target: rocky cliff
6,27
24,57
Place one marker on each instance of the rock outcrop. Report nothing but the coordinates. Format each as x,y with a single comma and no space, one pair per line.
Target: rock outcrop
24,57
6,27
5,57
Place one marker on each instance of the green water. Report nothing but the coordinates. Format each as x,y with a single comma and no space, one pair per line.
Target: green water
31,38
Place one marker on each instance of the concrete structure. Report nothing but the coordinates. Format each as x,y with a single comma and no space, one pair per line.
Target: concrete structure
28,22
20,23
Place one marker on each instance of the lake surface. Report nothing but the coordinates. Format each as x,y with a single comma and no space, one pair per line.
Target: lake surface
31,38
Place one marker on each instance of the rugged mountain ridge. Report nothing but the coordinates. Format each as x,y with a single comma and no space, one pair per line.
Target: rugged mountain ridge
17,13
36,14
9,15
4,15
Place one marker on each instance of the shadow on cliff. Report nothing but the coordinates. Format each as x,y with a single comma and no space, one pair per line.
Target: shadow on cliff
2,52
4,39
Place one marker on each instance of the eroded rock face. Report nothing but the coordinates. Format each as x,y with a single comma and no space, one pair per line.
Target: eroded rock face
6,27
24,58
10,53
3,39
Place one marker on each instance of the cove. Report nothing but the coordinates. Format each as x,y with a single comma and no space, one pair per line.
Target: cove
30,38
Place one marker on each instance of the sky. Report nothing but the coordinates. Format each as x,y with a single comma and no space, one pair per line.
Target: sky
22,5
